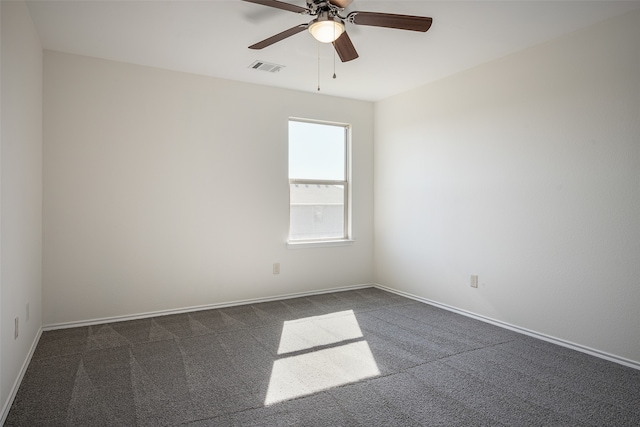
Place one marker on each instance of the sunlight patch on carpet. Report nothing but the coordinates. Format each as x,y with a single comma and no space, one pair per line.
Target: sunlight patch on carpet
319,352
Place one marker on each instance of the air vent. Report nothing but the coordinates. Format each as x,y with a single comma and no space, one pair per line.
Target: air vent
266,66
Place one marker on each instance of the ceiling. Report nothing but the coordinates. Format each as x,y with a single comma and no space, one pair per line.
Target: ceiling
210,37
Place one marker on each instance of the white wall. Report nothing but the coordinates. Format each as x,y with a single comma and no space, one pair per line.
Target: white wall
525,171
165,190
20,190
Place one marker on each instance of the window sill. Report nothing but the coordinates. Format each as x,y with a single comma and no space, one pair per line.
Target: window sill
320,244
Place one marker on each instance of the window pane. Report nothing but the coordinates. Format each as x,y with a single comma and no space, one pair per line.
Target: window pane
317,211
316,151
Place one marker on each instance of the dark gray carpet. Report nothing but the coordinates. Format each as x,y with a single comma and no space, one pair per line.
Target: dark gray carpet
412,365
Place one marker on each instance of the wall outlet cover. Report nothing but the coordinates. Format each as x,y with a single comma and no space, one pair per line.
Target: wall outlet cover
474,280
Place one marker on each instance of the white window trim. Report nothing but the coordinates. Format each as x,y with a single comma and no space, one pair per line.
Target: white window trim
347,240
306,244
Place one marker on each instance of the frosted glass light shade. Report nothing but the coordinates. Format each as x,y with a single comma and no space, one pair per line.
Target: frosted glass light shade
326,31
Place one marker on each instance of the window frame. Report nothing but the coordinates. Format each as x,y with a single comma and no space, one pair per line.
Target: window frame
346,237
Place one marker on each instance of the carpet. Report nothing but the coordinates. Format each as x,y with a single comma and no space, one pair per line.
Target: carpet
357,358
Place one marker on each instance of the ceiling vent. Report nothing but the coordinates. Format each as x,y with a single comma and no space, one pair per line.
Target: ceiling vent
266,66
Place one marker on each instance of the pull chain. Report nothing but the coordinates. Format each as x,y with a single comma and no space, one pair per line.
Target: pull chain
318,66
334,52
334,63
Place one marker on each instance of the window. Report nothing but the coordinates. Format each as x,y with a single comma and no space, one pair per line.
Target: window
318,181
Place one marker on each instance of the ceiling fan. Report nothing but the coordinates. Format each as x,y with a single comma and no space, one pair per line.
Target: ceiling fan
328,26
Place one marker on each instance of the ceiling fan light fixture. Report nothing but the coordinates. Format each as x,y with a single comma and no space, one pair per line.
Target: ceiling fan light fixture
326,29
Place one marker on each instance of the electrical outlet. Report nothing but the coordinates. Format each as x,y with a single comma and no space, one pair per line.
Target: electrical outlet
474,280
276,268
15,333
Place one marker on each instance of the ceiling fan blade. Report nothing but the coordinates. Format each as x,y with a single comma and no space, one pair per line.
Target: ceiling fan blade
341,3
391,20
281,36
344,47
280,5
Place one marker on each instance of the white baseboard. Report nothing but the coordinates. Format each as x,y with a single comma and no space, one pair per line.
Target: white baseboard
16,385
112,319
534,334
